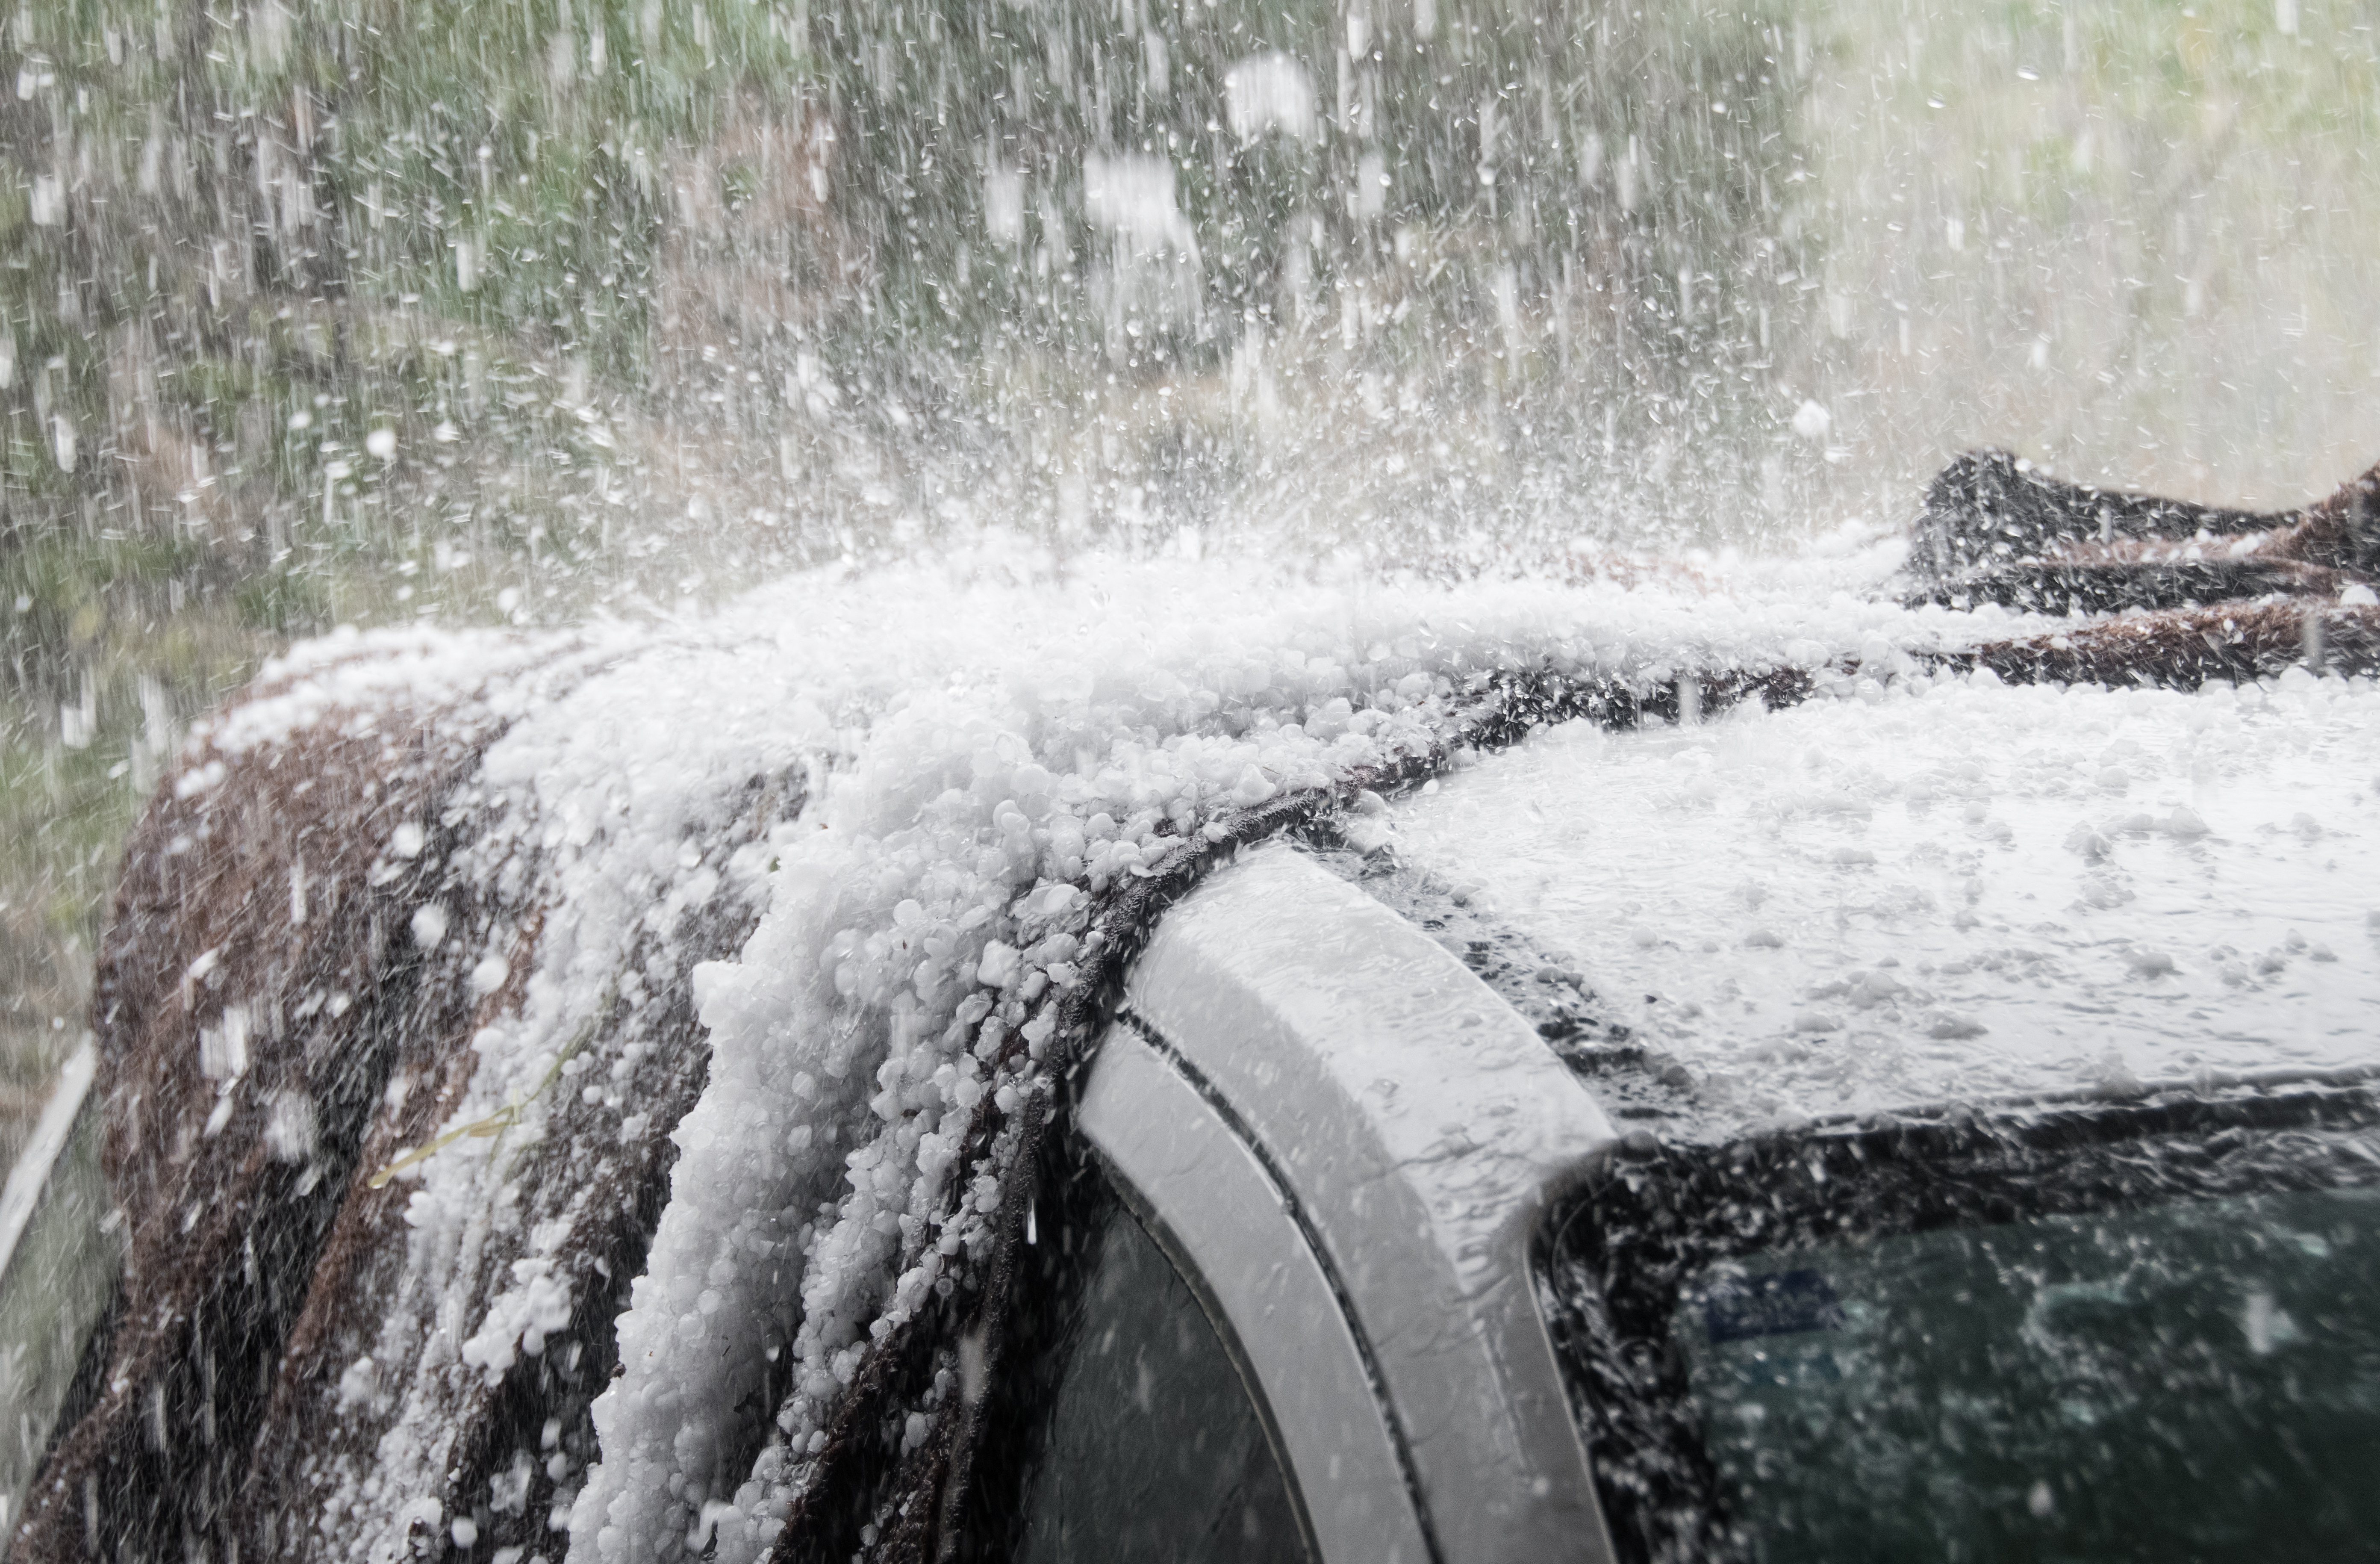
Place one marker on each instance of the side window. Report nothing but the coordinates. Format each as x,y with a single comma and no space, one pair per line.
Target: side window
1148,1445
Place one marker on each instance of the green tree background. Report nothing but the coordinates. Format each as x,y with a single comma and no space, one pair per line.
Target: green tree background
322,311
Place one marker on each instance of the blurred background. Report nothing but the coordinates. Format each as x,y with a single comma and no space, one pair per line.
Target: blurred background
329,312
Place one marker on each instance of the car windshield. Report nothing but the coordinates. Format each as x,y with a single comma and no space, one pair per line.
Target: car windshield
1964,891
2139,1331
2195,1380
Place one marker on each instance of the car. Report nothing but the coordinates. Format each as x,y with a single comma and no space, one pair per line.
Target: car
1534,1145
1389,1236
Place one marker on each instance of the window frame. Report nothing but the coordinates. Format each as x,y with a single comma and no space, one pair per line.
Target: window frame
1611,1260
1079,1202
1186,1170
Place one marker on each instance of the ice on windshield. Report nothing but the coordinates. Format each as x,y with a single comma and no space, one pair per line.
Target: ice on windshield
1953,889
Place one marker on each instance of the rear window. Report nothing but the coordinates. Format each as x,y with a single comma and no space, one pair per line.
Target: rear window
2141,1331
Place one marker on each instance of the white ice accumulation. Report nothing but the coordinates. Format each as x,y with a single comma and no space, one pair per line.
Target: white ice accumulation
988,745
1951,888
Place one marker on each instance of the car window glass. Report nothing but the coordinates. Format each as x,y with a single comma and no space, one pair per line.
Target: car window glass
1151,1447
2121,1330
2199,1380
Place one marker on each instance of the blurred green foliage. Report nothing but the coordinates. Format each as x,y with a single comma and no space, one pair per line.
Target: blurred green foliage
1156,183
323,311
241,242
2132,238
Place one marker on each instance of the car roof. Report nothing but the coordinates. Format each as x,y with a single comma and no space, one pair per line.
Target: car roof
1960,891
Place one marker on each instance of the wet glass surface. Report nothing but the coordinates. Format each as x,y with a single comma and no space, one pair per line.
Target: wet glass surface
2200,1380
1151,1449
2146,1329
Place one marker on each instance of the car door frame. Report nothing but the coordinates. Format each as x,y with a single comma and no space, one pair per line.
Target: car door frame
1349,1145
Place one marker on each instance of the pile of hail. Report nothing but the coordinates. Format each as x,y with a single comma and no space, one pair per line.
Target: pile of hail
617,1043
